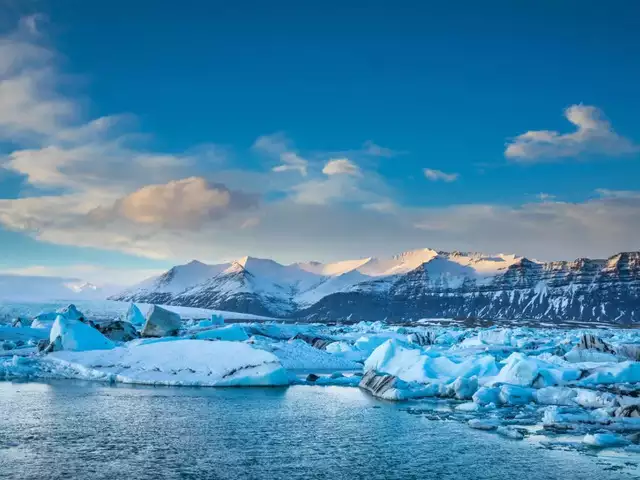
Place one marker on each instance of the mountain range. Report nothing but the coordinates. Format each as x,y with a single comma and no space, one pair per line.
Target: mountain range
417,284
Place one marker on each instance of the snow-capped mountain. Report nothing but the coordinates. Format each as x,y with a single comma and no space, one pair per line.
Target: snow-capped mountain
415,284
44,288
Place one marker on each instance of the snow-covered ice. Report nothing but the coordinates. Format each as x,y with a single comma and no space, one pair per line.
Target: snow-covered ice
181,362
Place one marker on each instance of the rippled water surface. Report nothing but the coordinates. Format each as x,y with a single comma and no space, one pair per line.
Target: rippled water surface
84,430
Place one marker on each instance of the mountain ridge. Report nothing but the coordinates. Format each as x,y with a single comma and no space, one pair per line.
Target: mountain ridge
412,285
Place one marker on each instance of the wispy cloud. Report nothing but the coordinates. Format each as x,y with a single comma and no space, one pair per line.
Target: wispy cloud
279,146
375,150
607,193
545,197
593,136
98,275
341,166
439,175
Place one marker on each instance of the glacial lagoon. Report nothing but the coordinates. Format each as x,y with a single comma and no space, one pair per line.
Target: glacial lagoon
77,429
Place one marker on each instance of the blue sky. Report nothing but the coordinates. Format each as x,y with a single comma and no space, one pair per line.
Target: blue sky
306,131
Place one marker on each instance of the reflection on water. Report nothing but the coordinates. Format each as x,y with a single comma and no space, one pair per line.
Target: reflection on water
86,430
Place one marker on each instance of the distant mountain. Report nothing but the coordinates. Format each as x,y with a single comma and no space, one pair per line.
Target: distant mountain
416,284
43,288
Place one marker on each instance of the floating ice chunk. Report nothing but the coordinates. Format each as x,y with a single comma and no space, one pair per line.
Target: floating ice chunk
527,371
343,381
346,350
118,330
561,415
340,347
589,341
556,396
628,411
421,339
510,432
495,337
71,312
231,333
468,407
298,355
487,395
76,336
471,342
369,343
464,388
630,351
595,399
180,362
134,316
380,385
161,323
604,440
519,370
515,395
424,366
44,320
484,423
215,320
624,372
579,355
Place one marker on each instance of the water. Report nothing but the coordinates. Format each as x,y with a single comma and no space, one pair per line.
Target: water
84,430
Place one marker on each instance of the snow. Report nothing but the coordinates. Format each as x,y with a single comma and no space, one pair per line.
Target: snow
298,355
299,285
178,278
232,333
179,363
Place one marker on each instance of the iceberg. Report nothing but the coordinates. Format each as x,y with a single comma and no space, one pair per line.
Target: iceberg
177,363
74,335
134,316
603,440
231,333
161,323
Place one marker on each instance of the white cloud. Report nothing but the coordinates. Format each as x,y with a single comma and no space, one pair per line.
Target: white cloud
279,146
605,192
341,166
322,192
375,150
593,136
547,230
186,203
383,206
437,175
545,197
99,275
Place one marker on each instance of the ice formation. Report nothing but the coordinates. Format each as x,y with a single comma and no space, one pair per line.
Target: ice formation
510,381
